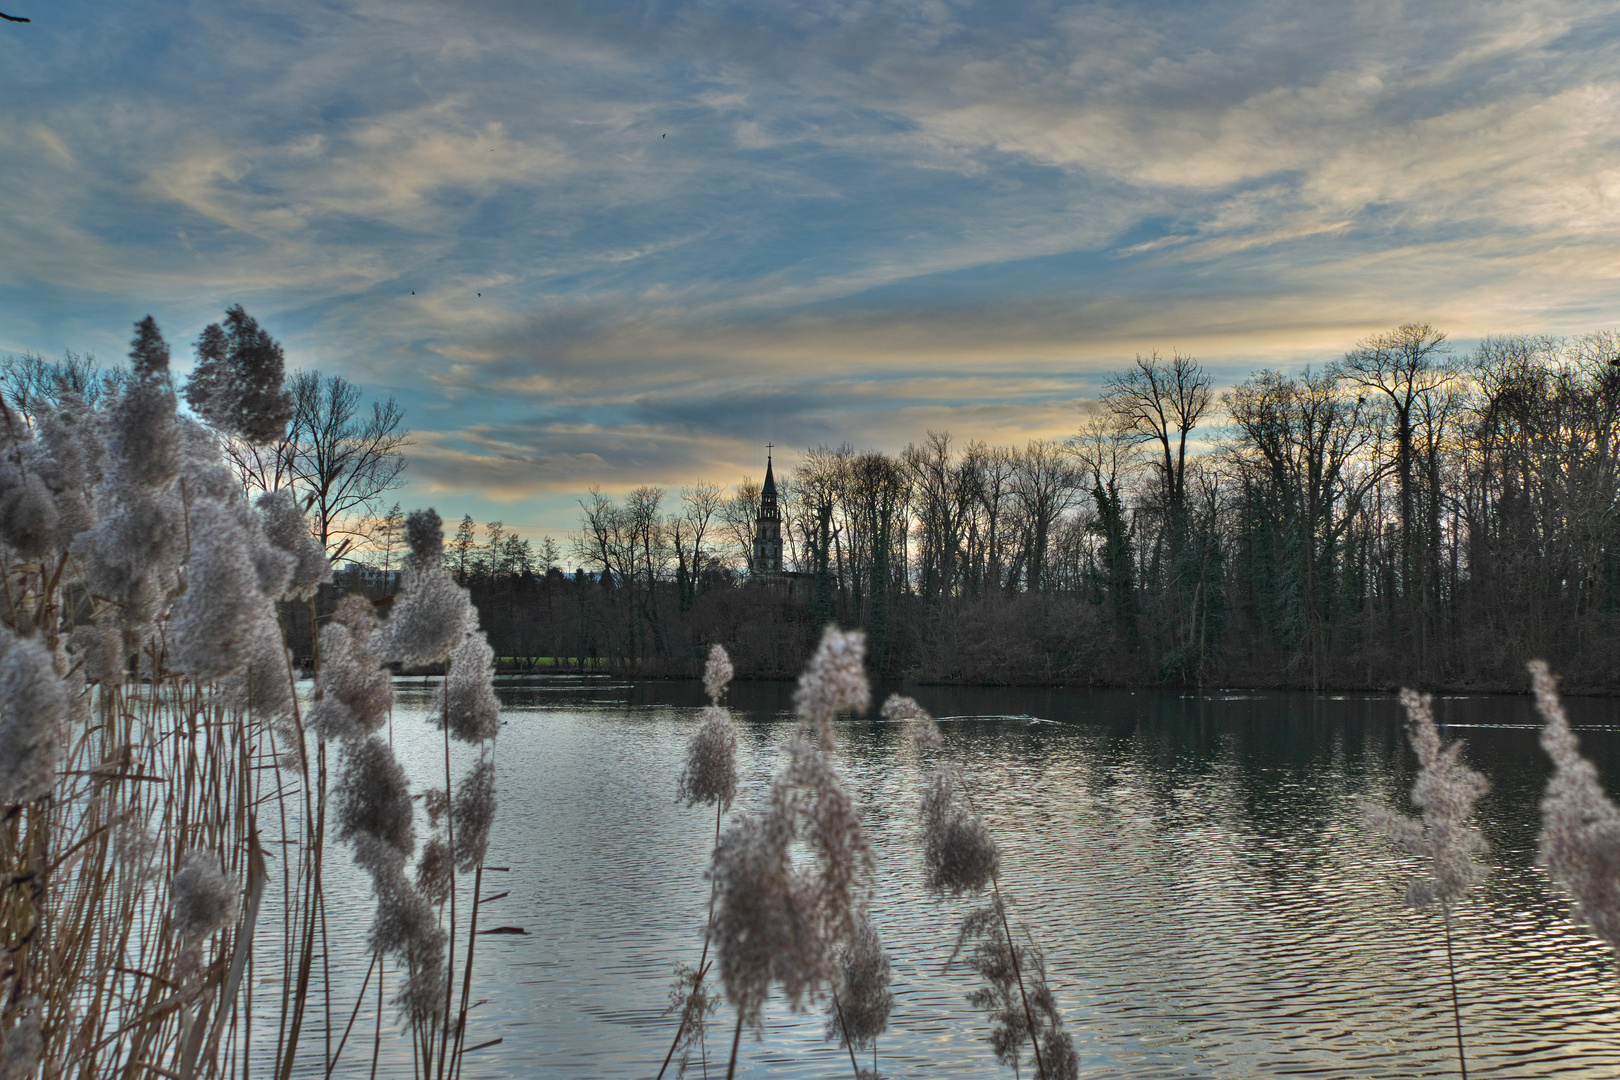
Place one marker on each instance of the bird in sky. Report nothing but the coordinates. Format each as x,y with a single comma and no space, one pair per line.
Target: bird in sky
13,18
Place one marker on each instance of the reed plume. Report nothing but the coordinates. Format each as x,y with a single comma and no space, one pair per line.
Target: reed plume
861,998
925,734
466,702
202,900
236,383
353,691
372,796
958,852
212,623
709,776
19,1056
432,615
777,921
691,997
28,516
33,707
132,837
1445,791
1015,994
834,681
286,530
472,812
960,857
1580,825
717,672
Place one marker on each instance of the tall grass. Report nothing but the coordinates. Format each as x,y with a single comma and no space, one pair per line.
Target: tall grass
167,796
793,891
1445,791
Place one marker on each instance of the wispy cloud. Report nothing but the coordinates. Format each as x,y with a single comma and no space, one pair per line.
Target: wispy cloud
623,243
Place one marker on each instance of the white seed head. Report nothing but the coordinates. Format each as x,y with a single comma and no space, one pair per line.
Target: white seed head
710,775
763,930
142,432
431,616
924,731
472,812
28,521
99,648
1445,791
466,699
373,797
202,899
25,1044
959,855
424,536
212,624
261,687
133,554
33,706
433,871
834,680
406,926
286,529
356,691
1580,825
810,791
864,999
717,673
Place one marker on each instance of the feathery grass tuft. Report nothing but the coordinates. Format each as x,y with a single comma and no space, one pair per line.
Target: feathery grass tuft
1445,791
1580,825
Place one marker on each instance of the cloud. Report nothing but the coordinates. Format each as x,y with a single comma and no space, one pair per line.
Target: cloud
622,244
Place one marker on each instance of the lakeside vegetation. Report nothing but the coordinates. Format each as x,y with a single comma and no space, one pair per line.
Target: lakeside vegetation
169,799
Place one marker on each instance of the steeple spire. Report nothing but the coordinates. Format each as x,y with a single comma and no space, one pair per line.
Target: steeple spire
768,529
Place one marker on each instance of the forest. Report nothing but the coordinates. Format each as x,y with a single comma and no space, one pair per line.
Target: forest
1410,514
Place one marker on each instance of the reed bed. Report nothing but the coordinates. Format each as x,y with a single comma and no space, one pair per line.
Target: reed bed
169,797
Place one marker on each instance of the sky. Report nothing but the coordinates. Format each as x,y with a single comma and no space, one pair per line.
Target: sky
631,243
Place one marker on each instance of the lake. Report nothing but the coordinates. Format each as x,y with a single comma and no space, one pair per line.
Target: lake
1193,867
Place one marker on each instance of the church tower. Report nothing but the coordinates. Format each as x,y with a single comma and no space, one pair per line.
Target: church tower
768,529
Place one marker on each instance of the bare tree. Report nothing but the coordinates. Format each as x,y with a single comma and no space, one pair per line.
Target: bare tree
1408,370
29,383
1044,485
1161,401
1296,444
738,516
700,503
458,553
387,536
992,469
343,458
945,492
1105,454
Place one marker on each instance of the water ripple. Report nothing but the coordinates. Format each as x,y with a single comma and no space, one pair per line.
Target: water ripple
1194,869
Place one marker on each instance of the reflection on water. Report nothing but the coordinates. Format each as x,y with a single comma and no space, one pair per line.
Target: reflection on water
1193,867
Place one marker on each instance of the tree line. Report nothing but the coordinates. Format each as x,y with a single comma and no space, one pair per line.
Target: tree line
1409,513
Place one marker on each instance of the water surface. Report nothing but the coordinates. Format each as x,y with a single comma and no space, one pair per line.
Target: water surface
1193,867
